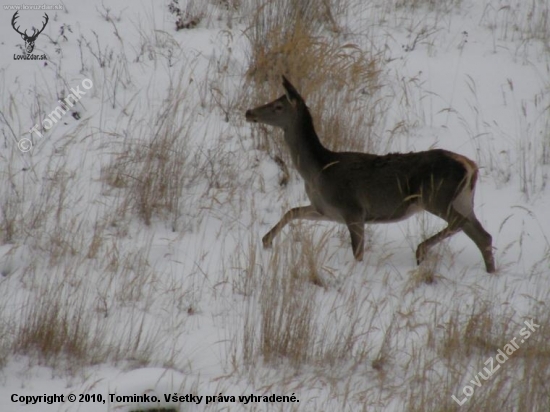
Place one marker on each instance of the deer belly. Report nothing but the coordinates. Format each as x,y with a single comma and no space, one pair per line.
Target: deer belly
331,212
387,216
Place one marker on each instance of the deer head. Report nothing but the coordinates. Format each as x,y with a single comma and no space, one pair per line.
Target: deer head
29,40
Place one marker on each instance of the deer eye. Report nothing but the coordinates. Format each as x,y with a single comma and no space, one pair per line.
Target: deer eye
278,107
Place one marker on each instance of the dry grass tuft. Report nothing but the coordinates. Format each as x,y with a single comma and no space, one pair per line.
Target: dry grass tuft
152,166
316,60
56,330
339,81
286,323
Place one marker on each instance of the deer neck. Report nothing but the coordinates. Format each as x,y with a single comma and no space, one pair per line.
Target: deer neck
306,150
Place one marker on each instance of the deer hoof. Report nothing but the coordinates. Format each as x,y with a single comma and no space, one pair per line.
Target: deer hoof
267,241
420,254
490,265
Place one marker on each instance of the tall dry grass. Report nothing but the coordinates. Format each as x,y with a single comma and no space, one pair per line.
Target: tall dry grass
339,81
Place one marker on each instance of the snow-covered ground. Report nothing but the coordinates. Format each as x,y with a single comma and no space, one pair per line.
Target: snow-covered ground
130,235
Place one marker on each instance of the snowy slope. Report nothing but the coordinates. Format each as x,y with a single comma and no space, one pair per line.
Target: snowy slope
127,273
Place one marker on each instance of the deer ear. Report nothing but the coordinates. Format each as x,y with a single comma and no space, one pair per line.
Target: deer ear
293,102
291,93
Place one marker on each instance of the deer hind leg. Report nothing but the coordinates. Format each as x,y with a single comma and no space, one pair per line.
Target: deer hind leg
483,241
454,218
471,227
423,248
303,212
464,205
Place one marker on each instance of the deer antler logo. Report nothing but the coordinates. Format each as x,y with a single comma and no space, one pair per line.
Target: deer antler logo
29,40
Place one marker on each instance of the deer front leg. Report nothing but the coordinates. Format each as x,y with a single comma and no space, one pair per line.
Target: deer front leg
357,232
303,212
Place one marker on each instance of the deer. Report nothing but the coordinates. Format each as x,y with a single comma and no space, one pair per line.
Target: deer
354,188
29,40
